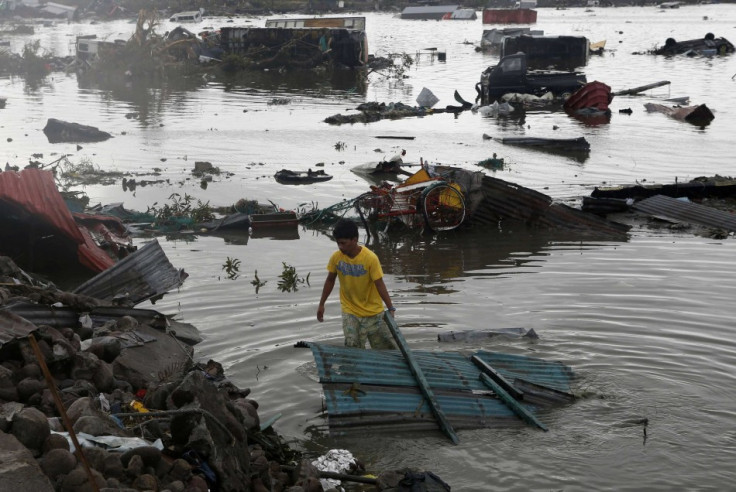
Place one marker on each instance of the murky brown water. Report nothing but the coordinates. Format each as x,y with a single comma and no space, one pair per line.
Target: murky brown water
647,324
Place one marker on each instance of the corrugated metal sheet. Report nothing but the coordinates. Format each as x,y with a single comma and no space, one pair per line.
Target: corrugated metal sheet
502,200
13,327
32,193
376,388
68,317
464,14
428,11
673,208
145,274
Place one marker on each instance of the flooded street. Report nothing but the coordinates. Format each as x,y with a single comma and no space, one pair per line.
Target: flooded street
646,324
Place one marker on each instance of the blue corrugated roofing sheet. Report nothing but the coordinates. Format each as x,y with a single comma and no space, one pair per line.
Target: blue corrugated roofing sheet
376,388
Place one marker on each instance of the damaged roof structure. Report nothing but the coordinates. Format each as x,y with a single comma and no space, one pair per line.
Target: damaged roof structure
688,202
39,232
376,388
490,201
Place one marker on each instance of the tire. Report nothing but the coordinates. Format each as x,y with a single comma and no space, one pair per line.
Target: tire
443,207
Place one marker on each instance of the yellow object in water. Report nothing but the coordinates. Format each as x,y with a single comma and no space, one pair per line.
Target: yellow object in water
138,406
417,177
450,199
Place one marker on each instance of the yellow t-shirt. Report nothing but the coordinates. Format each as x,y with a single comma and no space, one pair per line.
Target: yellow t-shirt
358,293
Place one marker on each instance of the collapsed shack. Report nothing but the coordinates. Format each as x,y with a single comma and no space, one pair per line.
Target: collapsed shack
493,202
39,232
301,48
227,48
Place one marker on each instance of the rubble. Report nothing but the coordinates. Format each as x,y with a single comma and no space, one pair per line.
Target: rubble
116,402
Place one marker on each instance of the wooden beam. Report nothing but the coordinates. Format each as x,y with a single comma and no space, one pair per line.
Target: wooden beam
498,378
516,407
421,380
642,88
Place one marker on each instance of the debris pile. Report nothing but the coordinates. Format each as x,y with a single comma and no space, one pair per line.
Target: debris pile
112,381
98,397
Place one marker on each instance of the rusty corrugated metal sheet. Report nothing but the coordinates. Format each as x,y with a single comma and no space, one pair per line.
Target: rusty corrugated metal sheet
660,205
33,193
502,200
13,327
143,275
376,388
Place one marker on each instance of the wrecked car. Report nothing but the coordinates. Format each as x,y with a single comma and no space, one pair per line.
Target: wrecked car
707,45
511,75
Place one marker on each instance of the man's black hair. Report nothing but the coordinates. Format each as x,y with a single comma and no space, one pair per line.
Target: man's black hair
345,229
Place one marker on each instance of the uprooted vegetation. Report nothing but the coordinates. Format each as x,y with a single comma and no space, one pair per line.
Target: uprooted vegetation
85,172
182,209
32,62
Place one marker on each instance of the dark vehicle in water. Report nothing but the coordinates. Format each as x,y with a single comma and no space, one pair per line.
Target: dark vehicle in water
512,76
562,52
708,45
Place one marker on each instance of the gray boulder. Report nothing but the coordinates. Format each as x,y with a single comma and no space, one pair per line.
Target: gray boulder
31,428
19,470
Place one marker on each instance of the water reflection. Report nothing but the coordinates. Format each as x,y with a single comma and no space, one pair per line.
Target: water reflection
437,259
148,95
146,98
312,82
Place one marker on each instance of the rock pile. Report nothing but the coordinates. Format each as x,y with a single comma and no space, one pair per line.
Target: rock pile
147,417
206,430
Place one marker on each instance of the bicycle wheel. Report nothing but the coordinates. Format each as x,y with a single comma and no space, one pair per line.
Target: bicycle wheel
365,205
443,207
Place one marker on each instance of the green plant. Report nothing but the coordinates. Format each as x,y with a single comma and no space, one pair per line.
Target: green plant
257,281
182,208
290,279
232,268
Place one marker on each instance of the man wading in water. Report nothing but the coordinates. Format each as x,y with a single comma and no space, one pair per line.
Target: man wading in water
362,291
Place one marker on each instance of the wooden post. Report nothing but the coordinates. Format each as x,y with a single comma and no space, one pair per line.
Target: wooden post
516,407
62,411
421,380
642,88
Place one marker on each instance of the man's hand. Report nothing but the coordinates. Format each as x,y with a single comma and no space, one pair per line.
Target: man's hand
321,313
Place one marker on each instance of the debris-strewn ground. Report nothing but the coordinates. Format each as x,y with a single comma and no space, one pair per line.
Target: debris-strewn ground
146,414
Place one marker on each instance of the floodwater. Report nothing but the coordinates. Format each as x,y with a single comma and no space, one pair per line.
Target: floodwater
646,324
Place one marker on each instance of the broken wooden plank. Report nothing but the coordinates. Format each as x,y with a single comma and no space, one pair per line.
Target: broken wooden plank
642,88
514,405
497,378
424,387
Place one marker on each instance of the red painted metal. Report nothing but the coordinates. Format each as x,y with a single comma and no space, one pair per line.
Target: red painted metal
509,16
594,94
34,192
